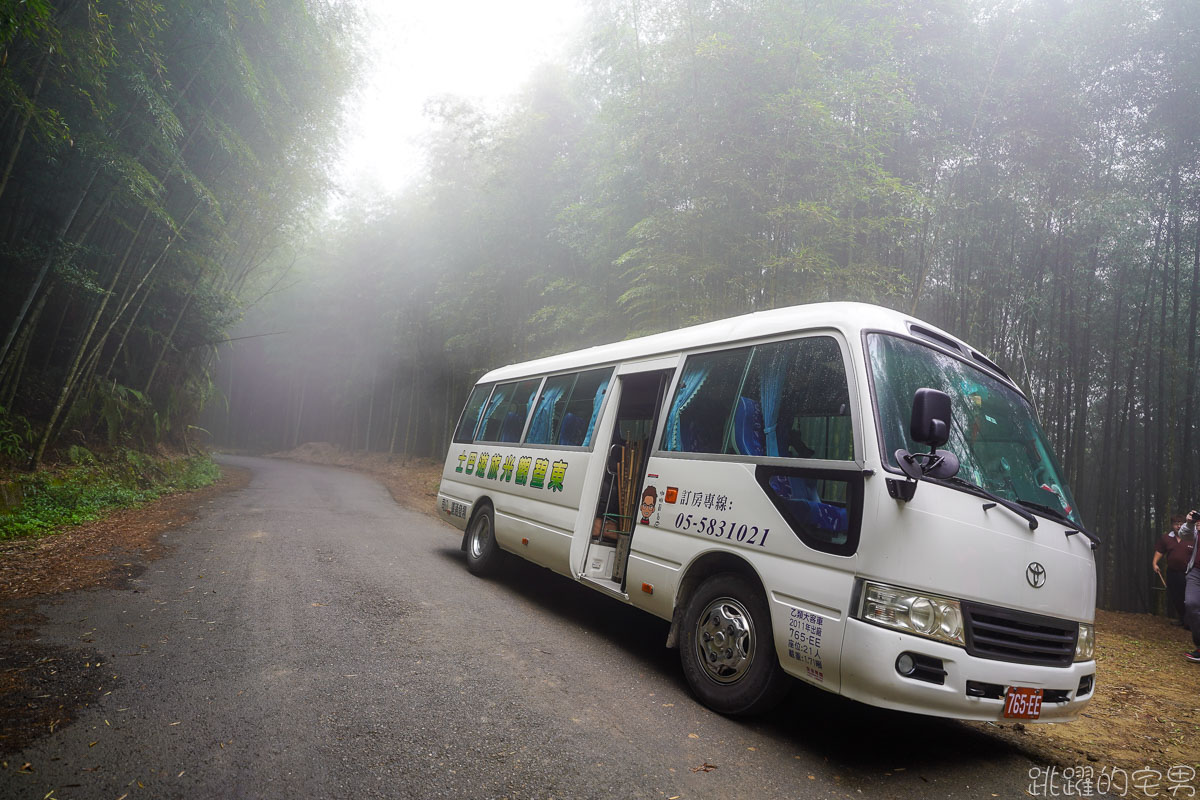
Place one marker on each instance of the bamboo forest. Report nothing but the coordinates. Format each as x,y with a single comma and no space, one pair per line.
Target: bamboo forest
1025,175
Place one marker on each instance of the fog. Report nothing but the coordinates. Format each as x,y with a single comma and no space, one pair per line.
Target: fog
512,182
416,53
254,225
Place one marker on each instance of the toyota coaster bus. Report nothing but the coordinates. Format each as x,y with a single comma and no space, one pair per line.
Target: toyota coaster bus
837,492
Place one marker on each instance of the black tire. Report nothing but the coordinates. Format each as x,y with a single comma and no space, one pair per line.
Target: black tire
483,554
727,647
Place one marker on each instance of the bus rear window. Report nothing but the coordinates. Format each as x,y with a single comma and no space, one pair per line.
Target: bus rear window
566,411
779,400
465,432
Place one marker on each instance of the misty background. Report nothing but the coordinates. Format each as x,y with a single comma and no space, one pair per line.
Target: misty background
250,243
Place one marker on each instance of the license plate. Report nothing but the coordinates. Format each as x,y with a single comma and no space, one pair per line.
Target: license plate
1023,702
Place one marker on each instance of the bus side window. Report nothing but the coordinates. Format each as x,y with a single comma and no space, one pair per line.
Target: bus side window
823,508
549,412
782,400
465,432
700,413
565,413
505,414
778,400
583,409
795,403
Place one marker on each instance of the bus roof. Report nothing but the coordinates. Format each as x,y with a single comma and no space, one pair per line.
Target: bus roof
850,318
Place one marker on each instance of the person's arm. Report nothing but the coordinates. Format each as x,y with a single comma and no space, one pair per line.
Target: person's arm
1157,557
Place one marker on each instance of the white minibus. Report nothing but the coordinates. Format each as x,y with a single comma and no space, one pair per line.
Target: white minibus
835,492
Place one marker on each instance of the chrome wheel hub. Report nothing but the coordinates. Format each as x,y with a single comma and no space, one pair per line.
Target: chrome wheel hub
725,640
478,537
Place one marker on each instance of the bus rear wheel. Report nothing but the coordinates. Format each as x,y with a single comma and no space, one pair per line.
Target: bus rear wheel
483,554
727,649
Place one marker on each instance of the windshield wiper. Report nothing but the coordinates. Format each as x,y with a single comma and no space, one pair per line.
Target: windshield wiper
1048,511
1072,527
996,499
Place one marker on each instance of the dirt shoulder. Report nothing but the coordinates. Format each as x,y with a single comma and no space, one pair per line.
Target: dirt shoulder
41,687
92,554
1146,712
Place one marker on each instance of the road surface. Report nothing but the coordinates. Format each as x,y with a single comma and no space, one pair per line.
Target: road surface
308,638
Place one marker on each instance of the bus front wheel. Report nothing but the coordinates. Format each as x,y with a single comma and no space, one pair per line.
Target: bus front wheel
727,649
483,554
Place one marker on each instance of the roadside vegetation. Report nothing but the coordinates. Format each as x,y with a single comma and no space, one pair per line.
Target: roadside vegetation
89,486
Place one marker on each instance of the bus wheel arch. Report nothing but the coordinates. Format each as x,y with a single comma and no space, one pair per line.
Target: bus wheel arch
722,626
708,564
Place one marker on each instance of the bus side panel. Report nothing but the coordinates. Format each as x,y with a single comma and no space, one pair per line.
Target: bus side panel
704,506
654,571
455,500
535,492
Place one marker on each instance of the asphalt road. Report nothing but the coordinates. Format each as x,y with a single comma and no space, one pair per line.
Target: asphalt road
307,637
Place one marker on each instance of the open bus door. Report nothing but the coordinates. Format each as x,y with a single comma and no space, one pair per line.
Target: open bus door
618,505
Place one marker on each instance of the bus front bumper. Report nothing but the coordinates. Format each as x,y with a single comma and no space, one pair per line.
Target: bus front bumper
971,688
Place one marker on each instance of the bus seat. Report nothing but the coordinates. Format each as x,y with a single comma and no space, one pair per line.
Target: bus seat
510,429
573,430
822,516
803,489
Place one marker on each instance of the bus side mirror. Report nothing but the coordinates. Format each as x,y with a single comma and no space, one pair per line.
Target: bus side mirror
929,425
930,421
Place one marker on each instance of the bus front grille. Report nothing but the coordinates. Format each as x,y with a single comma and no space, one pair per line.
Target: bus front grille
1006,635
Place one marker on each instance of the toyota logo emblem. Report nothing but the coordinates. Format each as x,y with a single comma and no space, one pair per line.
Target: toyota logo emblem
1035,573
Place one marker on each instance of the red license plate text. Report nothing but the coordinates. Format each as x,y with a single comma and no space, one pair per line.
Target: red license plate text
1023,702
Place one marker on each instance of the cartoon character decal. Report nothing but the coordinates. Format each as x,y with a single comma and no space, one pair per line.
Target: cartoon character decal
649,500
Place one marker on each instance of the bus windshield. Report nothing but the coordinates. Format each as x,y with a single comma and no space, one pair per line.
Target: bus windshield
999,444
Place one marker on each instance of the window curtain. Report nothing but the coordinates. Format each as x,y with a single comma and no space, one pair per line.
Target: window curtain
770,394
693,378
596,402
543,419
497,400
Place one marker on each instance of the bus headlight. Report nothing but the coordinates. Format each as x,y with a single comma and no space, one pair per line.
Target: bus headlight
1085,643
913,612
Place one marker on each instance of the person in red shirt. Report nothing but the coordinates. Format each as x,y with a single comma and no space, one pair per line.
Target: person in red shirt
1171,557
1191,587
